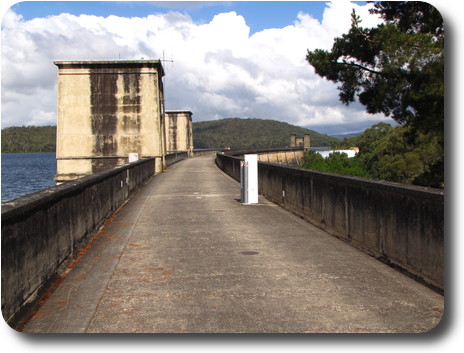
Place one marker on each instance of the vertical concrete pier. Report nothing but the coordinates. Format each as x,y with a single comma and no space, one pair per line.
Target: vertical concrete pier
179,131
293,140
306,142
106,110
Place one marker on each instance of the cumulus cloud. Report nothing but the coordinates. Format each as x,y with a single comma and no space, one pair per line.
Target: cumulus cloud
219,69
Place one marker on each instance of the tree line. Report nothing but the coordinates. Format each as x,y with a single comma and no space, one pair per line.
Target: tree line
397,69
29,139
251,133
386,153
233,132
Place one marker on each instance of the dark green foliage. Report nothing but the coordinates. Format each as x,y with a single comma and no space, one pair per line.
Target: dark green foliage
395,158
387,153
29,139
251,133
337,162
396,68
235,133
411,16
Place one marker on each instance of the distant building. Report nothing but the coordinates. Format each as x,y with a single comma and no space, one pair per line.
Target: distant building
304,142
179,131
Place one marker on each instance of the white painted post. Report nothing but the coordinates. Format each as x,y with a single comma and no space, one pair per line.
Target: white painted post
243,182
252,178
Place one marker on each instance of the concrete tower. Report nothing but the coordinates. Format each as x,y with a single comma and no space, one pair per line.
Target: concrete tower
306,142
293,140
179,131
106,110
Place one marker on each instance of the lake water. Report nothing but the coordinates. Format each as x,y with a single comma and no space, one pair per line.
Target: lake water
25,173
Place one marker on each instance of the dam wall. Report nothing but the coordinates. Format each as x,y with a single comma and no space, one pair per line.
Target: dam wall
401,225
43,231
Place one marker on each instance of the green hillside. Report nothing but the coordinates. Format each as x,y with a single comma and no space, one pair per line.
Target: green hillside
251,133
234,133
29,139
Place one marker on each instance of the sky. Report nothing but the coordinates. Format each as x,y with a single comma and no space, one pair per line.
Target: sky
224,59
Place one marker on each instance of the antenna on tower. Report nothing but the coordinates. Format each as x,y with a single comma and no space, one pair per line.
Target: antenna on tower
164,60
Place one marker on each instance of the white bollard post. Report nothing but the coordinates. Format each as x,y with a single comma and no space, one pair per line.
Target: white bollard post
242,182
251,161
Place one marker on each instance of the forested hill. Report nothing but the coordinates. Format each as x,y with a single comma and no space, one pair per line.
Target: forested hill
234,132
251,133
28,139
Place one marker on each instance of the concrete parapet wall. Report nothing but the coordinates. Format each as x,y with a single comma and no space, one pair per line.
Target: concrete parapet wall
172,158
229,165
42,232
292,158
402,225
262,151
198,153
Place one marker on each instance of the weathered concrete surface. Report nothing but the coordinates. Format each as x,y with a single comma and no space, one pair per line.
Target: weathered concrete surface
43,231
292,157
185,256
106,110
178,131
400,224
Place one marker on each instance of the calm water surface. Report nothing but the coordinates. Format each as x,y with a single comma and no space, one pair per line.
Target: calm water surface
25,173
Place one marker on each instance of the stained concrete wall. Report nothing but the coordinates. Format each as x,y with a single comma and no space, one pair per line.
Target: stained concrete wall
178,131
304,142
292,156
289,158
106,110
402,225
198,153
172,158
42,231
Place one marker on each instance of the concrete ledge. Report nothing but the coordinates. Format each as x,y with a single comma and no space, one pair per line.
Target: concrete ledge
198,153
402,225
172,158
41,231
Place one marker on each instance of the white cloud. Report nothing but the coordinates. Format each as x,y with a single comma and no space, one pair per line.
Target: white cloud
219,70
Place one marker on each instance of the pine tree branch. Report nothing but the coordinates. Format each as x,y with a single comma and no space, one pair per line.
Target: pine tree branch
360,66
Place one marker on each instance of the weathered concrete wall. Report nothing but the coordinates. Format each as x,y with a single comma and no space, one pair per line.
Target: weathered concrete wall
106,110
179,131
198,153
399,224
172,158
304,142
289,158
292,156
42,231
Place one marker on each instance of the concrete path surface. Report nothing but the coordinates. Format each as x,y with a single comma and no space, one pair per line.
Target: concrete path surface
183,255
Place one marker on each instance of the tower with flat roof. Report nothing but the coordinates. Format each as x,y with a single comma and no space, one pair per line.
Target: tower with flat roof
179,130
106,111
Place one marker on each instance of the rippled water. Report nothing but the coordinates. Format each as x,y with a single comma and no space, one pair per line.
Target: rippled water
25,173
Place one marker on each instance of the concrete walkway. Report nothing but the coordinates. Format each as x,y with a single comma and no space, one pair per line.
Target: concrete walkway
183,255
